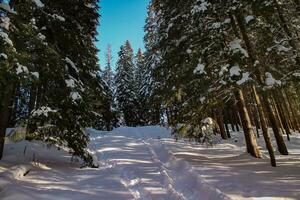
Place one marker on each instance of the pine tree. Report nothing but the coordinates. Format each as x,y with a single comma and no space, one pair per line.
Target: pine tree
125,86
150,86
108,78
108,75
141,99
58,81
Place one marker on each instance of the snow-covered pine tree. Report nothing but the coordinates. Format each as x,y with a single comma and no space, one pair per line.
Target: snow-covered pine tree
197,63
108,78
125,85
151,61
8,76
139,75
18,41
57,42
107,74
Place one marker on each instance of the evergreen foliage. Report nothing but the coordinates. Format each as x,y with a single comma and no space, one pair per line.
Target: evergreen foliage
56,89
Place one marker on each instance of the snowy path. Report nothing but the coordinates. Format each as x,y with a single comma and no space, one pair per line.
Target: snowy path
136,165
129,169
139,172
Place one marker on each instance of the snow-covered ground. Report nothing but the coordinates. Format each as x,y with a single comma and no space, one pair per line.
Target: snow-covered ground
146,163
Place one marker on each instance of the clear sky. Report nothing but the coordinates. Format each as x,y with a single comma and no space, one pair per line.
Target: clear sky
121,20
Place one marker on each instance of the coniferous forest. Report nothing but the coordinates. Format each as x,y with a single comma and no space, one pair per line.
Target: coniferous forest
210,70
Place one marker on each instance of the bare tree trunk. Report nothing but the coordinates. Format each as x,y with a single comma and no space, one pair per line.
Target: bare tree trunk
264,128
286,109
267,103
230,117
290,105
283,118
220,121
277,133
251,142
225,114
277,114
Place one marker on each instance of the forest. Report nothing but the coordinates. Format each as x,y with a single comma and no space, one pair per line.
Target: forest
210,68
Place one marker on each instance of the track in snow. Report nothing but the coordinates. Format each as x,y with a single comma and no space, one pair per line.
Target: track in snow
133,165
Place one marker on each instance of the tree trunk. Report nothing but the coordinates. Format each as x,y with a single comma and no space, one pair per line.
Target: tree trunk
258,74
283,117
5,111
220,120
226,123
264,128
251,142
293,112
277,114
230,113
277,133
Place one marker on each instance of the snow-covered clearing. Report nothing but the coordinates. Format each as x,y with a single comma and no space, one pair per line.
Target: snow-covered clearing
146,163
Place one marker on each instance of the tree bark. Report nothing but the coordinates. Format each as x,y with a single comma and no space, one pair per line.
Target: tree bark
264,128
258,74
220,120
250,138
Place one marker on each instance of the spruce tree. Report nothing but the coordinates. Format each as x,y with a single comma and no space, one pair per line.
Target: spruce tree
125,85
152,57
58,84
108,75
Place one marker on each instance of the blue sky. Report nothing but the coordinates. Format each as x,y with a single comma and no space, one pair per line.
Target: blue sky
121,20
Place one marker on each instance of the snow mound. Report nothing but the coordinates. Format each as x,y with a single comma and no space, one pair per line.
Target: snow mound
17,172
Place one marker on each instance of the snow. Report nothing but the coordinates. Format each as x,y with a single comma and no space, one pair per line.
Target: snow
7,8
202,7
58,17
89,5
202,99
36,75
69,61
38,3
249,18
228,168
235,71
145,163
296,74
4,56
208,121
94,74
41,36
21,69
5,23
70,83
42,111
6,39
199,69
216,25
75,96
282,48
245,78
227,21
235,47
271,81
